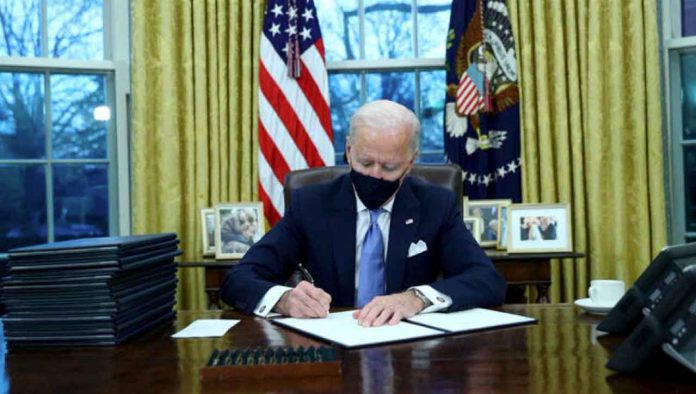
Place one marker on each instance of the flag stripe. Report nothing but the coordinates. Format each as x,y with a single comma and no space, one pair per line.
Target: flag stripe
469,94
272,186
283,141
311,88
465,85
470,107
272,154
288,117
319,44
269,210
467,88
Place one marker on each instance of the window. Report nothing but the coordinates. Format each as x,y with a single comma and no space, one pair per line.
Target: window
688,68
688,19
392,49
58,120
680,55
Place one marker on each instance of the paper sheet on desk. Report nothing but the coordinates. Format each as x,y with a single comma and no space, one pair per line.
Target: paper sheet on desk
206,328
343,329
470,320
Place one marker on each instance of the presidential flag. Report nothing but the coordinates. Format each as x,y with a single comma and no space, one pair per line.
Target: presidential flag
294,118
482,126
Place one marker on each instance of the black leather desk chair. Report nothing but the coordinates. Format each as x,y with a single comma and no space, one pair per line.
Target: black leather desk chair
448,176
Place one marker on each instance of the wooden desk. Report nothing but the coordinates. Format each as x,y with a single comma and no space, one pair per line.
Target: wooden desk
561,354
519,270
530,269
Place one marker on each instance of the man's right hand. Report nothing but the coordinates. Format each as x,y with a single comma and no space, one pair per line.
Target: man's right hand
304,300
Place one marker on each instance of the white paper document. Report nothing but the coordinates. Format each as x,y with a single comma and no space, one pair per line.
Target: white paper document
343,329
469,320
206,328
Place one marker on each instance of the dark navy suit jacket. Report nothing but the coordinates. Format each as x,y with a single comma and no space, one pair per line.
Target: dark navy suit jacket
318,230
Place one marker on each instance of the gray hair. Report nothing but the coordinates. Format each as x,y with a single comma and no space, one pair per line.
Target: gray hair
385,115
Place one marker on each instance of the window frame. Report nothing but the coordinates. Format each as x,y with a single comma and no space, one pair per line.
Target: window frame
673,46
116,69
364,66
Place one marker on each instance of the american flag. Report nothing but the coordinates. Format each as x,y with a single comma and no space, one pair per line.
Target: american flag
294,118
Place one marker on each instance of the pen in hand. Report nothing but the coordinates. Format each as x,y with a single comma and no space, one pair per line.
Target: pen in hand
305,274
318,296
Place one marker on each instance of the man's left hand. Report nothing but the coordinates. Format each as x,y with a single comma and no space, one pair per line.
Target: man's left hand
391,308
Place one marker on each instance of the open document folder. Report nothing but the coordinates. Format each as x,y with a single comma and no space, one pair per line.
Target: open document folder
343,329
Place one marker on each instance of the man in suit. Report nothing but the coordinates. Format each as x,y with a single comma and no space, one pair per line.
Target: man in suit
375,238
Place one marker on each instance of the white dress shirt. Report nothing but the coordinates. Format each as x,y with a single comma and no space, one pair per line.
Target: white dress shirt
438,300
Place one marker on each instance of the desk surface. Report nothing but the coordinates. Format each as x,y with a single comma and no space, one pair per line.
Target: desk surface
560,354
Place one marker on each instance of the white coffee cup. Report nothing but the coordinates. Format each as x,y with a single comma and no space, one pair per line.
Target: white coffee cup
606,292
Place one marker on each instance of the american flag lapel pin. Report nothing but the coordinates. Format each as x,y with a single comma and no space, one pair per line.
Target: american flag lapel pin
409,221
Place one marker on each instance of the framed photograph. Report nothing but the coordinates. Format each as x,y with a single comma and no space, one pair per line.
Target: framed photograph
539,228
487,210
473,224
237,228
502,227
208,231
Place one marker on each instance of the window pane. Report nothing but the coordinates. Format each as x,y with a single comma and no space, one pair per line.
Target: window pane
432,85
388,29
345,99
75,29
688,17
394,86
340,29
688,68
81,201
75,103
22,206
22,134
433,22
690,187
19,28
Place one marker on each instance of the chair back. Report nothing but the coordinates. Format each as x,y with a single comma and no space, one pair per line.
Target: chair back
448,176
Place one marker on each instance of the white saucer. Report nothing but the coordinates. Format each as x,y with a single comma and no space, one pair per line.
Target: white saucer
589,307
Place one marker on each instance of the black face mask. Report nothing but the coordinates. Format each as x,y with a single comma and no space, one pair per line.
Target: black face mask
373,192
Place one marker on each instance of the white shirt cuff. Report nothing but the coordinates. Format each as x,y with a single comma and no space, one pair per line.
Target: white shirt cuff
439,300
269,300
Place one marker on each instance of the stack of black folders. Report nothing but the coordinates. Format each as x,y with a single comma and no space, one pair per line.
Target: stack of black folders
272,363
89,292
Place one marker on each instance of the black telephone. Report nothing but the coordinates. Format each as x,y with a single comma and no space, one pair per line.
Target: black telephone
671,325
653,285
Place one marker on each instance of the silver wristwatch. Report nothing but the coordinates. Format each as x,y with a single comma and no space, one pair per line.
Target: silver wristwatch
422,297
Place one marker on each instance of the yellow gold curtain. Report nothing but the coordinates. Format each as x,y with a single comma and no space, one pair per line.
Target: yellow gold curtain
591,131
194,114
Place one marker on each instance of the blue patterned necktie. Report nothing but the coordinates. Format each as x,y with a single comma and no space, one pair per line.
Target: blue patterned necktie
371,279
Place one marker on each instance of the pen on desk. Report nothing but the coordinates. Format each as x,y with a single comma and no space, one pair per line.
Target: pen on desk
305,274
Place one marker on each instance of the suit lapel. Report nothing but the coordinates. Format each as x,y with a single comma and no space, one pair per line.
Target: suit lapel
343,221
404,221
